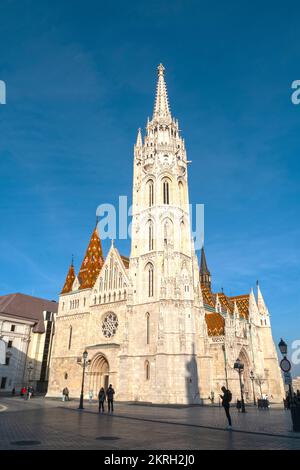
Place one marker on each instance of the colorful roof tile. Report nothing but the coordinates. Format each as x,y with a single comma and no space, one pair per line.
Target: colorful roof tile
215,324
92,262
242,302
69,280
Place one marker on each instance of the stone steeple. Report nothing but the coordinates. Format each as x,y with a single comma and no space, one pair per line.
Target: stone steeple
205,279
161,106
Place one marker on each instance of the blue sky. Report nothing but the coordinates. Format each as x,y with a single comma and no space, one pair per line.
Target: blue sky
81,79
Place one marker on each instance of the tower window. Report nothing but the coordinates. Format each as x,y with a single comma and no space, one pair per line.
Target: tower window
70,337
150,280
150,236
150,193
147,370
166,192
148,328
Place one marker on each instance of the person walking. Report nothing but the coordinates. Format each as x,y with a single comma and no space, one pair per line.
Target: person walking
90,396
101,398
226,399
110,398
67,394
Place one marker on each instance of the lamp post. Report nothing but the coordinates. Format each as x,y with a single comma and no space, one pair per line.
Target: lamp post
239,367
84,363
29,369
286,366
252,377
225,365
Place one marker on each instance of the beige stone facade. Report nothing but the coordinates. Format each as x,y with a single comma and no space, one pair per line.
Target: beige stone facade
151,324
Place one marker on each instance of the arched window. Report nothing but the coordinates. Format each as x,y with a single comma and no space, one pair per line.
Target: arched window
168,232
120,280
181,193
150,235
166,192
111,272
147,370
101,284
70,337
150,279
105,278
115,276
63,306
148,328
150,193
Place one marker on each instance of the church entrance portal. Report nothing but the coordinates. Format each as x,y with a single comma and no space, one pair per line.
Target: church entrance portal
98,374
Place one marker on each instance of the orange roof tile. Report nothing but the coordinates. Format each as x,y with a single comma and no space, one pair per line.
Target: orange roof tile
226,302
69,280
242,302
208,297
92,262
215,324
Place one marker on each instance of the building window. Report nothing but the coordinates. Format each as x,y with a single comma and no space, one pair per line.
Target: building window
150,236
150,280
148,328
63,306
13,328
105,278
70,337
151,193
9,344
147,370
166,192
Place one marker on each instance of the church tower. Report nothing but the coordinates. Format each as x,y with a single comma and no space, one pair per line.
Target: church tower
162,262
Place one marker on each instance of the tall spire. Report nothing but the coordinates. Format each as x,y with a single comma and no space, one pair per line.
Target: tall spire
263,310
204,271
139,139
161,106
92,262
69,279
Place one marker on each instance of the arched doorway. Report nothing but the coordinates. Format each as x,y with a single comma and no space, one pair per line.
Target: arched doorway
98,374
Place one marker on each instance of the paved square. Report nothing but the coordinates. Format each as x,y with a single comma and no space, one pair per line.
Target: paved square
52,424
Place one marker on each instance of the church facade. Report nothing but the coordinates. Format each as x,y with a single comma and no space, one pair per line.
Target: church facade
151,324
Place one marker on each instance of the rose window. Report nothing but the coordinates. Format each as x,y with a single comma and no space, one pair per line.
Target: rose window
110,325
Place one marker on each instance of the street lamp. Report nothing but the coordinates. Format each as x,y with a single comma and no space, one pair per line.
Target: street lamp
239,367
282,347
252,377
30,369
84,363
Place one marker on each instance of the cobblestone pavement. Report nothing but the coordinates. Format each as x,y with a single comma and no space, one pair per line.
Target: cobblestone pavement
57,425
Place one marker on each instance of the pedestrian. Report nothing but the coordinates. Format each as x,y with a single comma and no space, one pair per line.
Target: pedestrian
110,398
67,394
90,396
101,398
64,394
29,392
239,405
226,399
13,392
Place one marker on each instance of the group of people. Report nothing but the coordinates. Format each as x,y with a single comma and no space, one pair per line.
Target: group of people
25,392
109,395
293,399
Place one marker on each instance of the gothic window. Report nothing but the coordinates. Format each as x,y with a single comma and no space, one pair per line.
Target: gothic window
110,325
70,337
168,232
148,328
181,193
147,370
166,192
150,235
115,276
84,301
150,279
111,272
95,300
105,278
150,193
104,298
120,280
101,284
63,306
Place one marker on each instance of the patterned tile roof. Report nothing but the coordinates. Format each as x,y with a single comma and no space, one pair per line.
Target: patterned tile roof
226,302
215,324
208,297
242,302
69,280
92,262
